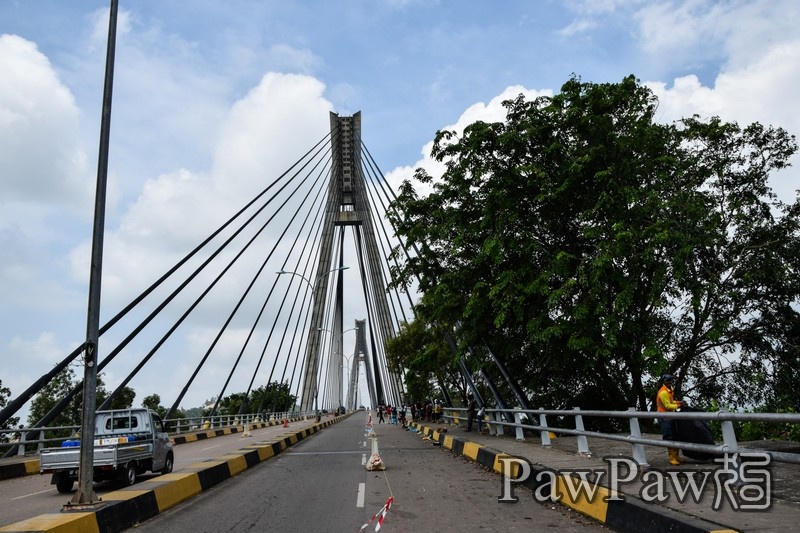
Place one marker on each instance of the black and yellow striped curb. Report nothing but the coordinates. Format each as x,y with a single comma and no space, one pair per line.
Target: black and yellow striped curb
24,466
125,508
27,466
626,514
185,438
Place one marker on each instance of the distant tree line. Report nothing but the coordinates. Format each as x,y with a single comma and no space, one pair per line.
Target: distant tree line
11,423
593,249
274,397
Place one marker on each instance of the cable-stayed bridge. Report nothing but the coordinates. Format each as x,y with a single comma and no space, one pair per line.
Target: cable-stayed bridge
280,286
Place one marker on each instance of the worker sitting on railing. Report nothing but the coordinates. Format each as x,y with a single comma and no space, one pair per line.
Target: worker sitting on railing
665,401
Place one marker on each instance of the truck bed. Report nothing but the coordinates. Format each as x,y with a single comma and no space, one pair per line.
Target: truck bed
104,455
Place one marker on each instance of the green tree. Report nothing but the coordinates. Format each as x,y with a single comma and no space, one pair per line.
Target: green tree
122,400
59,387
11,423
153,402
46,399
273,397
594,249
231,404
421,353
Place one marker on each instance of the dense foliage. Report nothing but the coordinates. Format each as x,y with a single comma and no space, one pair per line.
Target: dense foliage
60,387
11,423
274,397
593,249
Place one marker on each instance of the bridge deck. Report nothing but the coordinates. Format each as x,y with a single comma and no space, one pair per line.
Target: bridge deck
635,513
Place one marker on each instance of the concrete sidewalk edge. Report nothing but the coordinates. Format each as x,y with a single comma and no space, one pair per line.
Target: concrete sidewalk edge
125,508
627,515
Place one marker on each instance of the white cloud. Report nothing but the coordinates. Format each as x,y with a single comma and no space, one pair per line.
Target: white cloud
257,140
668,27
40,159
44,349
480,111
577,26
262,135
285,57
762,91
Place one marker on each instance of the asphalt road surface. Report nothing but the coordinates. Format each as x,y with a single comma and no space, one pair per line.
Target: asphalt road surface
322,484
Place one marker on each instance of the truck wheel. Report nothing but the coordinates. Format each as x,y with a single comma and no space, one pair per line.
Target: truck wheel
169,462
130,474
64,485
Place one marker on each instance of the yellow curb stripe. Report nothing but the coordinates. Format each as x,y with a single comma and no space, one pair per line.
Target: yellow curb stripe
471,450
32,467
58,523
576,496
181,488
236,463
500,466
264,451
448,442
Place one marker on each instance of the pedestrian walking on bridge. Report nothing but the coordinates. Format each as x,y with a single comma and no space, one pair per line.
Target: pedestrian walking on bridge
470,411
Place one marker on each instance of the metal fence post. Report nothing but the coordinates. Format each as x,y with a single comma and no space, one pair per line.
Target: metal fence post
637,449
21,449
545,433
518,420
40,443
728,433
498,429
583,443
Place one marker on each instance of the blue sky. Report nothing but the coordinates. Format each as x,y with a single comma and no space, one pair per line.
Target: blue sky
199,84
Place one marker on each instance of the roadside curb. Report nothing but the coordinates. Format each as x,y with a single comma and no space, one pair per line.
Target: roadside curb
19,467
627,515
122,509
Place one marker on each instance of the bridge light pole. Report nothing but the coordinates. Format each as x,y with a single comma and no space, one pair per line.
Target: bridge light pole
313,295
355,391
340,337
85,497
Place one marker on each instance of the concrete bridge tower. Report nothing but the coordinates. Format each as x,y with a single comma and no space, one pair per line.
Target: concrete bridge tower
348,208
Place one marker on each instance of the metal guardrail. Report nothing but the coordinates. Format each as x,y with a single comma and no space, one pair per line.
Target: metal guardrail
497,420
178,426
175,426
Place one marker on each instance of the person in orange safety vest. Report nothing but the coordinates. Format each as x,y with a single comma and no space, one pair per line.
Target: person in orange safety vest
666,402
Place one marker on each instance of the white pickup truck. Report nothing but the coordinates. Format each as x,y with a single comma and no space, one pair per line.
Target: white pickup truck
128,442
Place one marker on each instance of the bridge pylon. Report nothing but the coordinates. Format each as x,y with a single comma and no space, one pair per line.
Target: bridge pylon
347,207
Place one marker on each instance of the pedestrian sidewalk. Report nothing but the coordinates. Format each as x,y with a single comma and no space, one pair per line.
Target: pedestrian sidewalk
646,499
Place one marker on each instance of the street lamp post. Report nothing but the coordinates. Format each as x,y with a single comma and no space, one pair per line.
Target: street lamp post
313,296
340,337
355,391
